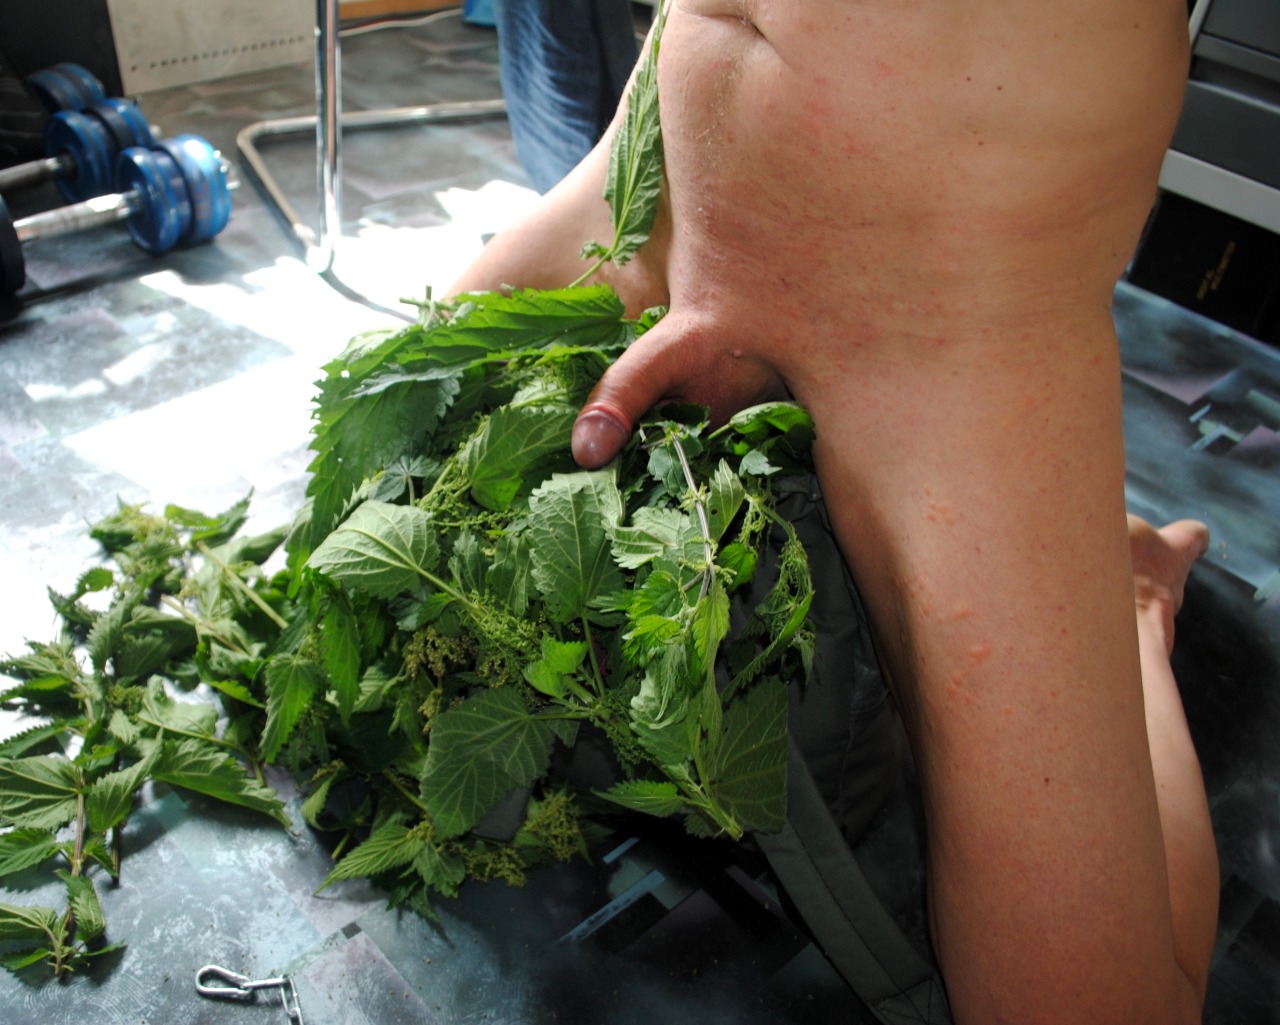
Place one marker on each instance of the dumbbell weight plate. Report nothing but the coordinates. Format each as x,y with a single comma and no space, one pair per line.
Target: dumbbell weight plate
87,82
124,121
13,267
65,87
163,217
206,185
87,142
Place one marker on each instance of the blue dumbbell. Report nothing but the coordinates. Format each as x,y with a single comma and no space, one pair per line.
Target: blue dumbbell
80,149
176,193
65,86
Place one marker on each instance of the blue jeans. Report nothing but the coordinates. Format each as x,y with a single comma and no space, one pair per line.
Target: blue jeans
564,65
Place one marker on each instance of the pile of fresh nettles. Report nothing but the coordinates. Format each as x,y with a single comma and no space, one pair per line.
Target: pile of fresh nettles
458,606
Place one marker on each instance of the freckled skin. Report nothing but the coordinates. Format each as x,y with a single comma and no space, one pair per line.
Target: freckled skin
910,216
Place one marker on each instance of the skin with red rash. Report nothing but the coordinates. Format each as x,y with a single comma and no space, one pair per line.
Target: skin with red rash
910,216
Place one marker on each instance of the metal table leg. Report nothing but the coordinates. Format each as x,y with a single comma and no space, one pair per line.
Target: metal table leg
328,122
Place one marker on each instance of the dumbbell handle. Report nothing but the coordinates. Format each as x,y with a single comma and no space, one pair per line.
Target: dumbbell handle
34,172
90,213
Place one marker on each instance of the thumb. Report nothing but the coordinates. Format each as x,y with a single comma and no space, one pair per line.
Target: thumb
648,372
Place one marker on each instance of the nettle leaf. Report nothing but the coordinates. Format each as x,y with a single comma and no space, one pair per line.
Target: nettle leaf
93,580
39,791
710,624
748,774
725,496
292,683
467,562
108,631
653,533
45,667
33,737
21,849
509,576
110,797
651,796
571,518
162,710
634,181
382,550
504,324
441,869
560,659
389,846
340,651
83,901
358,432
24,922
205,769
478,753
513,440
210,529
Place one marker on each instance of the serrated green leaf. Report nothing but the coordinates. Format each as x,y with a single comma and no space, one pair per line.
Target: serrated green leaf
467,562
358,434
28,922
21,849
315,801
748,774
83,901
634,181
20,959
709,624
442,870
39,791
382,550
108,631
235,689
509,576
571,518
123,728
755,423
33,737
389,846
514,440
560,659
210,529
653,533
162,710
200,767
670,746
340,652
111,796
293,681
478,753
725,496
651,796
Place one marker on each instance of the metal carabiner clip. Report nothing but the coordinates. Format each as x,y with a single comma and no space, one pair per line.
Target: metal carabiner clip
241,987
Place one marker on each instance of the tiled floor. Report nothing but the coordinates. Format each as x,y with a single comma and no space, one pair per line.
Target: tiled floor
187,379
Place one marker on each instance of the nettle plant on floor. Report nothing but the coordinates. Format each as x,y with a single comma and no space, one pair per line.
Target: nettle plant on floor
458,608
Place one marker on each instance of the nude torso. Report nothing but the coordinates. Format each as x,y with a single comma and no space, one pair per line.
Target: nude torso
910,215
937,198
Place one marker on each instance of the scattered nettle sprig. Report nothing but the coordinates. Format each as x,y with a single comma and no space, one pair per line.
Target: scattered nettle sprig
459,610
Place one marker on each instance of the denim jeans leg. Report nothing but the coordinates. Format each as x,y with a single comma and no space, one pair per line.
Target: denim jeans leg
564,65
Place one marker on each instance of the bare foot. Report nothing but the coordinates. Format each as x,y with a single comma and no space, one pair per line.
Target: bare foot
1162,560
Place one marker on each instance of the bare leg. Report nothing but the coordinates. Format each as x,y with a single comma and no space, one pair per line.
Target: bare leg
1162,559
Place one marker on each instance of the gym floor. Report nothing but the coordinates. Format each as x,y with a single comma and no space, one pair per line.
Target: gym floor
187,379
